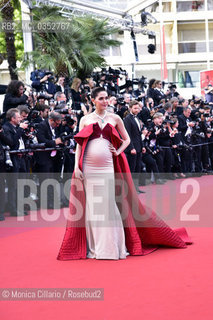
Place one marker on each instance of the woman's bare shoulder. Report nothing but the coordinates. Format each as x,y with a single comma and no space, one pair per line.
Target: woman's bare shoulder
85,120
116,118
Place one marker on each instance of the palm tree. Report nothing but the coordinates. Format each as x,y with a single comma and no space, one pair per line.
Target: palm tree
77,50
7,14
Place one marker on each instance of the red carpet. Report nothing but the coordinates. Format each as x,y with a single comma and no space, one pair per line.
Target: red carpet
168,284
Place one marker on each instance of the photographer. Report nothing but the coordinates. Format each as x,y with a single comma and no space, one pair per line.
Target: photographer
209,140
148,157
47,133
123,105
14,130
166,109
206,125
42,81
171,92
60,84
3,142
43,113
15,95
160,137
209,94
151,90
67,130
24,112
75,94
59,98
145,113
178,147
185,127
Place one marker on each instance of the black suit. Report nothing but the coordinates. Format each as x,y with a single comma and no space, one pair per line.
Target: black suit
3,141
183,125
45,162
144,115
19,164
158,96
134,132
186,154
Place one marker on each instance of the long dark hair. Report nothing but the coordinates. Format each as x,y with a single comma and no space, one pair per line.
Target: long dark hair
13,87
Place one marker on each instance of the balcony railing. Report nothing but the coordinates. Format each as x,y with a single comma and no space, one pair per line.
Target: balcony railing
191,47
183,6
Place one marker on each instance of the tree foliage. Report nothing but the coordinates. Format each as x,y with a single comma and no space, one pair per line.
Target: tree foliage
18,35
75,49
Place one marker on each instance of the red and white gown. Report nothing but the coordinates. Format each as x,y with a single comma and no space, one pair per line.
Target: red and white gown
97,226
104,227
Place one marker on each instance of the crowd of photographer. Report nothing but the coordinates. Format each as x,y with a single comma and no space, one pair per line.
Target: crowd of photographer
170,136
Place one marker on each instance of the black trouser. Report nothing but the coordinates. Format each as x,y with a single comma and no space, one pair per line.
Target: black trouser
19,168
167,159
134,161
151,164
49,170
186,160
205,157
159,160
176,161
197,159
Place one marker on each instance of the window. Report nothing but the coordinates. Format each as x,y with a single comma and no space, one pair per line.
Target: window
196,5
191,38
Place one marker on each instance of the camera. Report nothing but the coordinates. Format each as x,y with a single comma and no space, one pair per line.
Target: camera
62,111
209,130
169,119
39,74
120,100
66,137
69,120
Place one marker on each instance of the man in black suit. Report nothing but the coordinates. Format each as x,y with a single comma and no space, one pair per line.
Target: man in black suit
133,127
144,115
3,141
47,133
49,162
185,127
14,130
135,148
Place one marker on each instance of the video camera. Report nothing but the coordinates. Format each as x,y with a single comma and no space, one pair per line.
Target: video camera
110,74
39,74
120,100
141,82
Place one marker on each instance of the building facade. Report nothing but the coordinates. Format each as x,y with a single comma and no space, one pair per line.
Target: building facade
188,29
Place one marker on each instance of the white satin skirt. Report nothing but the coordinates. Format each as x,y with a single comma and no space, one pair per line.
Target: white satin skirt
104,227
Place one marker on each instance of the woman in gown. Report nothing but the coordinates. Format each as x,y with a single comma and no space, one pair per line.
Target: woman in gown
107,220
